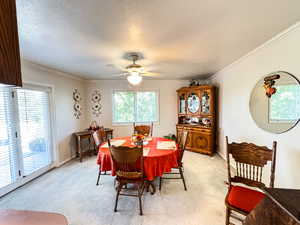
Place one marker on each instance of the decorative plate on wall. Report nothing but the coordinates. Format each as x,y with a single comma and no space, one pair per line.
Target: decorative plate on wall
95,100
77,106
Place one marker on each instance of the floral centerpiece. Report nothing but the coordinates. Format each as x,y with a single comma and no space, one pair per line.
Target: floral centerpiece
138,139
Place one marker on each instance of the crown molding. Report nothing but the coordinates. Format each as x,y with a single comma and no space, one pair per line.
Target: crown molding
52,70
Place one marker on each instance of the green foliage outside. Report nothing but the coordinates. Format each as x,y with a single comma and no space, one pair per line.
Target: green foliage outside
285,104
132,106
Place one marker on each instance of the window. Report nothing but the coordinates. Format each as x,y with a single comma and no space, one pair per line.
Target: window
284,106
135,106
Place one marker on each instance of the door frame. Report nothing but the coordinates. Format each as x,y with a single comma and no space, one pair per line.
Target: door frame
21,180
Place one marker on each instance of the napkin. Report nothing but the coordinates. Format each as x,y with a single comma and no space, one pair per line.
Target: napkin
114,142
148,139
170,145
146,151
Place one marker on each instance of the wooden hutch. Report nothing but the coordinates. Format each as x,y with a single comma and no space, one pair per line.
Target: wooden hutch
196,113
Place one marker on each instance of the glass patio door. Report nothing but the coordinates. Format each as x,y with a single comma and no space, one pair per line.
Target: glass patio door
9,166
34,129
25,134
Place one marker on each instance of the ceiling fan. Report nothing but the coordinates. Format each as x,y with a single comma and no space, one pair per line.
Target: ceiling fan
135,72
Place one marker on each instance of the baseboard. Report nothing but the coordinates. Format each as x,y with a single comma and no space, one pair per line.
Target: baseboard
221,155
65,161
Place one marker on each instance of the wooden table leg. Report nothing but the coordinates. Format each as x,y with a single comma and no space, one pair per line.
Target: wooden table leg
79,148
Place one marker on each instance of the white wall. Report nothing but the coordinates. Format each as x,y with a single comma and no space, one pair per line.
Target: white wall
235,85
64,121
167,99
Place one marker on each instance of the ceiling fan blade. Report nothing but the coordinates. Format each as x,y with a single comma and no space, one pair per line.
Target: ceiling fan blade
150,74
119,75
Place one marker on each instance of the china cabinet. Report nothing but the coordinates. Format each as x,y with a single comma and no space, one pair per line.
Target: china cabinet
196,113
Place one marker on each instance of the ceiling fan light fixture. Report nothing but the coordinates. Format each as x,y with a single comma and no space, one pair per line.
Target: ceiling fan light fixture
134,78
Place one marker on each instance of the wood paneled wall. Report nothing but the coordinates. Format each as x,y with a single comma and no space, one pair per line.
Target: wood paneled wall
10,64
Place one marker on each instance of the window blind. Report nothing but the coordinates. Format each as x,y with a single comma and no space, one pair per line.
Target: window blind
8,142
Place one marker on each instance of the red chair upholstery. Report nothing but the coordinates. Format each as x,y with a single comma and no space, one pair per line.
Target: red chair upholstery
244,198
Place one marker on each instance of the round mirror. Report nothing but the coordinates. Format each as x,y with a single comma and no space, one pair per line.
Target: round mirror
275,102
193,103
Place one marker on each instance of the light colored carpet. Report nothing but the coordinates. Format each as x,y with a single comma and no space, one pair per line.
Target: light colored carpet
71,190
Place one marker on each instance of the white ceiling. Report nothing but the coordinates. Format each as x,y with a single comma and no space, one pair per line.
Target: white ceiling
178,38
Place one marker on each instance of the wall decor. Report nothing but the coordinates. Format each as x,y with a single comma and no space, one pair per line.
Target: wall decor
96,106
77,106
269,84
275,102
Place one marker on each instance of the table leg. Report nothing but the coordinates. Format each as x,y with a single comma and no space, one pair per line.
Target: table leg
79,148
90,150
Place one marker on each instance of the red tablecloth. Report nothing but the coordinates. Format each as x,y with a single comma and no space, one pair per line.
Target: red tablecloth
156,162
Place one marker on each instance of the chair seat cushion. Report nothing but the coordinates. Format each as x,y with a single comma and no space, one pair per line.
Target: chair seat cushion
244,198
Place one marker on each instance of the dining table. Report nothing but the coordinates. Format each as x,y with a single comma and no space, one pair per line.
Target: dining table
160,155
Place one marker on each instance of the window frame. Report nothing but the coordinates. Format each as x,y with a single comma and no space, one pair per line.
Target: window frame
115,123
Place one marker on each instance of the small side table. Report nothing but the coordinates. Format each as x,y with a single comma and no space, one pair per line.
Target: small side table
109,133
87,134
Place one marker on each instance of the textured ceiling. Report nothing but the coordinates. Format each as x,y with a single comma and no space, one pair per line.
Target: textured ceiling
178,38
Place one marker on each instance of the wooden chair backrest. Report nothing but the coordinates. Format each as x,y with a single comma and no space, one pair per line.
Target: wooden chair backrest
250,160
99,136
127,159
182,142
143,129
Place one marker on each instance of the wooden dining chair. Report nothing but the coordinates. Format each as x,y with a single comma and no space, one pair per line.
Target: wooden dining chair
250,160
129,166
146,130
182,142
99,137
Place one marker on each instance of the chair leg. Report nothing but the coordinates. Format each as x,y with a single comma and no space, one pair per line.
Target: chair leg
98,179
227,216
182,177
140,198
117,196
160,180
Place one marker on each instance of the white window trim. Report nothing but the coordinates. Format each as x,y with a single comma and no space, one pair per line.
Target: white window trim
128,90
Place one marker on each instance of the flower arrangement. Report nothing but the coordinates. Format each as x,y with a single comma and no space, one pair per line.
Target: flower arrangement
138,139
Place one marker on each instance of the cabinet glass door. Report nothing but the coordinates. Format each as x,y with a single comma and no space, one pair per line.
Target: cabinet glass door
182,107
205,102
193,103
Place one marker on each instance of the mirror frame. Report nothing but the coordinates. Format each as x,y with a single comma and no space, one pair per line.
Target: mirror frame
249,105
